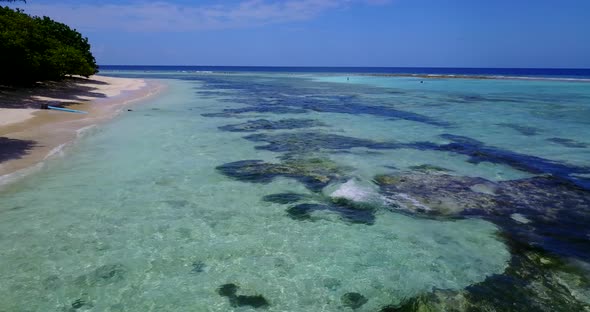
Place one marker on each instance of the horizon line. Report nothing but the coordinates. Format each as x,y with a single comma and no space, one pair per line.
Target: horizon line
316,66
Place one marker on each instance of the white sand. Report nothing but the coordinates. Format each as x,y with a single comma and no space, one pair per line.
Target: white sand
69,92
10,116
101,97
98,85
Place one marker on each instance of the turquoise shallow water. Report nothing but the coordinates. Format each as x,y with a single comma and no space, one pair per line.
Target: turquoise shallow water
142,215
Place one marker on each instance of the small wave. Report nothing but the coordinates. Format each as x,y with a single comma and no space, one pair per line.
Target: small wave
55,151
351,191
82,131
519,218
403,197
19,174
360,194
364,195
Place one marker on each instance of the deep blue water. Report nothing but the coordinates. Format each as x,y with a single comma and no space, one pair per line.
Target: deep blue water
578,73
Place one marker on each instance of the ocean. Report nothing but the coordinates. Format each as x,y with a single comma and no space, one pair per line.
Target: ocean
572,73
314,189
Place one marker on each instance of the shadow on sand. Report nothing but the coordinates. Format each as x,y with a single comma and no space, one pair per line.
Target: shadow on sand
70,89
14,149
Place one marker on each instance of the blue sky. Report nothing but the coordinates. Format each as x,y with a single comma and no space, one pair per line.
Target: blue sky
422,33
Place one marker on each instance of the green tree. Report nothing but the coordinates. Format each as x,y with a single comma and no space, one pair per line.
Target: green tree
38,48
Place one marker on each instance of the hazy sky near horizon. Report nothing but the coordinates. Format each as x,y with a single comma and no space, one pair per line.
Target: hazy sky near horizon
421,33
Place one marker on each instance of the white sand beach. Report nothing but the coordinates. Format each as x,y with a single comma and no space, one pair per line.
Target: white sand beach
23,123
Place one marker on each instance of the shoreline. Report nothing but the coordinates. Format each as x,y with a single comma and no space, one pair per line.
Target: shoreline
29,136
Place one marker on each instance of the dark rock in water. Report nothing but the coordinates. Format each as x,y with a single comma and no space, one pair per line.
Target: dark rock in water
305,142
284,198
474,98
104,275
256,301
78,304
227,290
353,300
524,130
429,168
232,112
534,281
568,143
230,291
558,212
436,193
210,93
479,152
198,267
305,95
438,300
303,212
264,124
314,173
375,110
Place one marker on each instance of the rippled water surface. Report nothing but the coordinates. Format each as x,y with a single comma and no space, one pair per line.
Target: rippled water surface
283,192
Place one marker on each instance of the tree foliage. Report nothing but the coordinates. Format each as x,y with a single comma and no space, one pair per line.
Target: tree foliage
38,48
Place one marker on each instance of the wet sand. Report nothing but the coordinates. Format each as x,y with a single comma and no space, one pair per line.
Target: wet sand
29,135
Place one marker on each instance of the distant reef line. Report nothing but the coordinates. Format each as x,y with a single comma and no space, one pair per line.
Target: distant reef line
481,77
353,74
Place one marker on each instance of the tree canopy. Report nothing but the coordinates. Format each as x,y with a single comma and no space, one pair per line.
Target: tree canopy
38,48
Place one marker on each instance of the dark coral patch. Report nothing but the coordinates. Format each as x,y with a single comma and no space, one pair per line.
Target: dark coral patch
524,130
284,198
479,152
436,193
557,211
375,110
349,214
264,98
305,142
230,291
264,124
353,300
232,112
533,281
78,304
568,143
198,267
211,93
476,98
429,168
256,301
314,173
